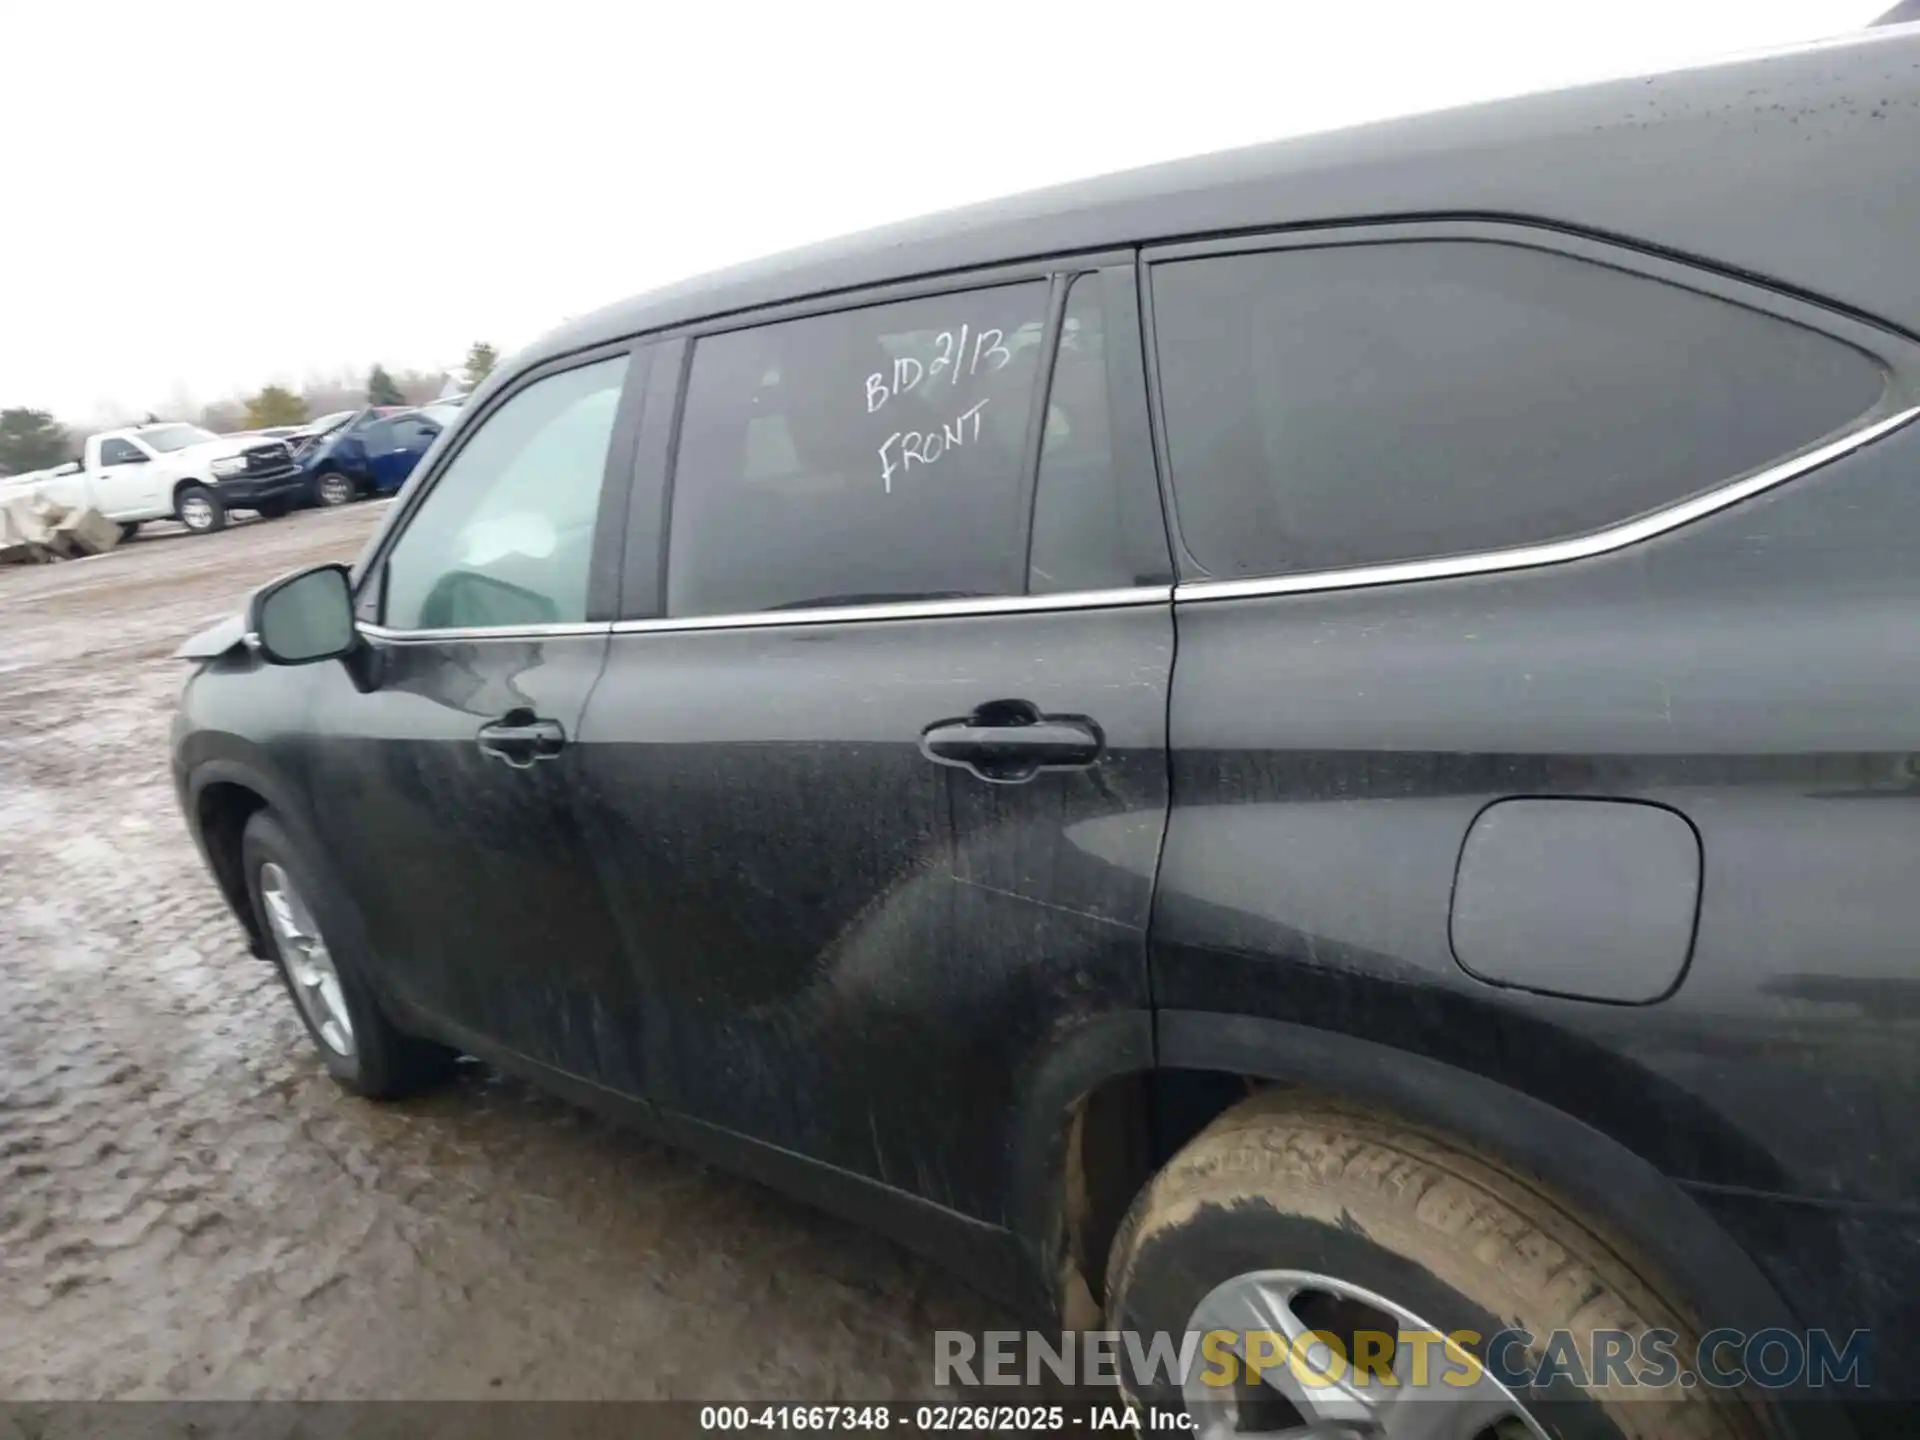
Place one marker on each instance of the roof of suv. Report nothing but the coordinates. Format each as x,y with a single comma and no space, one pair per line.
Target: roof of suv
1794,166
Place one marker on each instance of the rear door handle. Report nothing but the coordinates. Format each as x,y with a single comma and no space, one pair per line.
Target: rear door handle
520,738
1008,741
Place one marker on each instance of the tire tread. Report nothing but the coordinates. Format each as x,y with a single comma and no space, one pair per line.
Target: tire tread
1477,1225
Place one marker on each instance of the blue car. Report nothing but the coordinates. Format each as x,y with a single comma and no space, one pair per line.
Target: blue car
368,452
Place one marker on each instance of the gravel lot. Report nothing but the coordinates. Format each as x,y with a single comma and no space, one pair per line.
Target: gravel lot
188,1207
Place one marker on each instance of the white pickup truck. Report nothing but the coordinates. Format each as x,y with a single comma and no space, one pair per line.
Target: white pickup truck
179,472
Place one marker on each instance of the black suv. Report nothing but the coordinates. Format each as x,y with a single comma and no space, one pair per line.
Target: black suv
1325,738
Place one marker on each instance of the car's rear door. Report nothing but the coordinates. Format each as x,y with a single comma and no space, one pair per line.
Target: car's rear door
442,781
876,772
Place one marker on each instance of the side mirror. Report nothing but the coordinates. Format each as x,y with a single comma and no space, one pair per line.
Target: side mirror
304,617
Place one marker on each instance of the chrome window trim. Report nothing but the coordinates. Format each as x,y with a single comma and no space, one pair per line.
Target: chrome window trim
776,619
907,610
1556,552
494,632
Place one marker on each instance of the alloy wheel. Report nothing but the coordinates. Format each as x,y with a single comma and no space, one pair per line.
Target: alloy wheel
1320,1396
196,513
335,489
309,964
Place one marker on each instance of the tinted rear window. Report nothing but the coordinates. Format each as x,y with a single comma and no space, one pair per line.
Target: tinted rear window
1382,402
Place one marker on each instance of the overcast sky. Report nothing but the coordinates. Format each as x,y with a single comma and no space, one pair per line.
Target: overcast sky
204,197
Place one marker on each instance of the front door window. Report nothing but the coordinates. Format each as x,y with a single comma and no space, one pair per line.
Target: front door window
505,538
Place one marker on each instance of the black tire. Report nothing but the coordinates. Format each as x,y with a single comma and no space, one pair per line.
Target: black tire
128,529
386,1062
271,509
334,487
199,509
1288,1182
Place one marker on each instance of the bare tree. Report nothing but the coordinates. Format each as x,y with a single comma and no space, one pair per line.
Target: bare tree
223,417
420,386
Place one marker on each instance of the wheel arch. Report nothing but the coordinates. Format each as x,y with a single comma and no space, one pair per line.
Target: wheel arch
222,795
1083,1162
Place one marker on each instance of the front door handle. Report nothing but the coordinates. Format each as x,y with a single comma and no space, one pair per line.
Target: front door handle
520,738
1007,741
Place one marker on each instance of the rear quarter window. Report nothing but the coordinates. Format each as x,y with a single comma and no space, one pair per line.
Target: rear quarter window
1379,402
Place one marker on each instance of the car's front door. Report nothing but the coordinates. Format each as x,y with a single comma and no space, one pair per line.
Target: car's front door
877,793
441,778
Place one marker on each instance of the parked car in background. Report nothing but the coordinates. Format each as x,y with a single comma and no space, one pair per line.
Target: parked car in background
314,431
1495,918
331,457
371,452
176,471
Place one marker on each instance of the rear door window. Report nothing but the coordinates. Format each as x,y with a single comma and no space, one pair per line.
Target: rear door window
860,457
1371,403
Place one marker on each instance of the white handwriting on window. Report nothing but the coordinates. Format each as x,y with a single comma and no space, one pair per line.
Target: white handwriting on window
925,447
952,360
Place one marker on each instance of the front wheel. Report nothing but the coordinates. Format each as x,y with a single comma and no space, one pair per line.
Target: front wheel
1321,1253
128,529
332,488
308,926
199,509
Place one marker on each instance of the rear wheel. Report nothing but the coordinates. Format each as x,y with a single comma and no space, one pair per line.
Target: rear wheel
1291,1220
128,529
331,488
199,509
314,943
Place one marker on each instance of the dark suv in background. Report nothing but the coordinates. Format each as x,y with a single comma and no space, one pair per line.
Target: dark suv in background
1321,738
